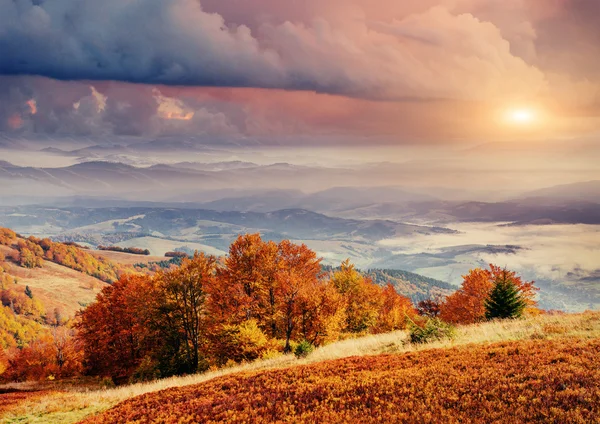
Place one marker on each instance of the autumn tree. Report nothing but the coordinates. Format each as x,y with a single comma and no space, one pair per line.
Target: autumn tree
52,354
322,314
395,310
182,306
28,259
7,236
114,330
247,283
467,304
428,308
22,304
362,298
298,266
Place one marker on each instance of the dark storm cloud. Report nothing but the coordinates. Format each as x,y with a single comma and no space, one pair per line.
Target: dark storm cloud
176,42
152,41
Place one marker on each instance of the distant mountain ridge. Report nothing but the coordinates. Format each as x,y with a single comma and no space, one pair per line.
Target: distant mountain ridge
295,223
584,191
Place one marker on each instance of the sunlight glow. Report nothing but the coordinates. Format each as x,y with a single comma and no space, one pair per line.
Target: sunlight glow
521,116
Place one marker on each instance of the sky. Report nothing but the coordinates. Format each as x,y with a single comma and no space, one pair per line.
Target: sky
363,72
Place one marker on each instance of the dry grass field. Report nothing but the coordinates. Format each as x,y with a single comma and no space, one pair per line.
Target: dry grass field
56,285
73,405
508,382
126,258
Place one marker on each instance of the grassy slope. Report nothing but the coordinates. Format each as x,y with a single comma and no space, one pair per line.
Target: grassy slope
56,285
71,406
59,286
523,381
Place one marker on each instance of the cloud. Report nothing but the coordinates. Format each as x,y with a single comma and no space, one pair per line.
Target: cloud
39,105
177,42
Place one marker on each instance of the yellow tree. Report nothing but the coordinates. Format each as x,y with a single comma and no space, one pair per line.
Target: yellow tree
322,312
362,298
394,311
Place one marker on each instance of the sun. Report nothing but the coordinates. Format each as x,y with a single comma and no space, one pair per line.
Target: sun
521,116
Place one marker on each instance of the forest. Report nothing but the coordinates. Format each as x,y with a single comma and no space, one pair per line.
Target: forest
262,300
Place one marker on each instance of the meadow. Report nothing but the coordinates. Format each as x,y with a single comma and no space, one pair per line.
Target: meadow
507,382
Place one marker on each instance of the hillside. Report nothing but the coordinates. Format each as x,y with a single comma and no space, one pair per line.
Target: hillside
415,286
43,285
525,381
565,343
57,286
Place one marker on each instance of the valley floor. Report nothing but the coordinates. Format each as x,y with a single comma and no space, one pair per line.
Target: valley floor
542,365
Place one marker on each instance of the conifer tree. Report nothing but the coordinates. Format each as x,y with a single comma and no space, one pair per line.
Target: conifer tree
505,299
28,292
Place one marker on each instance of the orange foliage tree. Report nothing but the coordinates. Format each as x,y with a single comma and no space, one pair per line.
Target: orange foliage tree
247,283
7,236
467,304
54,354
298,267
114,331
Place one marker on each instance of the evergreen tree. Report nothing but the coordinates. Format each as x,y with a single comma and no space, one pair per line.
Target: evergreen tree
505,300
28,292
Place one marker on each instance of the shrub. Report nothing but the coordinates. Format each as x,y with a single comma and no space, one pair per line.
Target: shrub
131,250
175,254
242,342
434,329
146,371
303,349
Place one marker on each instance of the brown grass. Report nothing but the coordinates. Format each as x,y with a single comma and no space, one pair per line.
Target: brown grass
508,382
126,258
